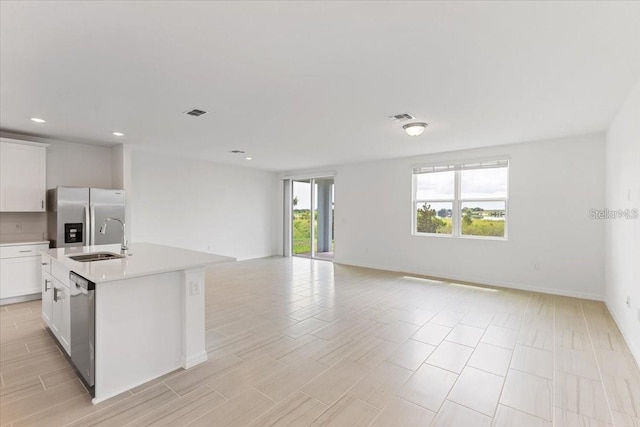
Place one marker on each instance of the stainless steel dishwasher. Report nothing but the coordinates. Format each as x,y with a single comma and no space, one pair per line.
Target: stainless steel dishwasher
83,321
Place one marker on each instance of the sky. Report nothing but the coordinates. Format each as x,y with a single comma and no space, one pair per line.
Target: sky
475,183
302,190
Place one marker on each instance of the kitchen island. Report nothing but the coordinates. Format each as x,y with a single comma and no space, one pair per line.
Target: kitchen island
149,310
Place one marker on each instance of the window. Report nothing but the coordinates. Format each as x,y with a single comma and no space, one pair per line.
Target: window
461,200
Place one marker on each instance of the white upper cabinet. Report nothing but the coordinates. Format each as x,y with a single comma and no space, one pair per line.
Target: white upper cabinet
23,176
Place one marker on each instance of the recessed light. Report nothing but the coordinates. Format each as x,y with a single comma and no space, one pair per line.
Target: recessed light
248,158
37,120
118,133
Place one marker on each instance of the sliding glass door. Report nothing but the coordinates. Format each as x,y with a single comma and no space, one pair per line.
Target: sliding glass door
301,218
312,218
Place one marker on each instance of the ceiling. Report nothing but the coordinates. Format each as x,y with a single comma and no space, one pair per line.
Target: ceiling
310,84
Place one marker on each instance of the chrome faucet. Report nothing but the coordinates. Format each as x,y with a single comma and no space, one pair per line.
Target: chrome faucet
124,249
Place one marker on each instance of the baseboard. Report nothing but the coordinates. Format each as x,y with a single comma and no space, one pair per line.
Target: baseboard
477,281
635,350
113,393
21,298
194,359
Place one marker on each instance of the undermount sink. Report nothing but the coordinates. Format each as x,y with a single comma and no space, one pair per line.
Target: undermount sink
96,256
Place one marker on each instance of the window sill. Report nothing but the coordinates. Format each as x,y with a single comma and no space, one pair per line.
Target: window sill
451,236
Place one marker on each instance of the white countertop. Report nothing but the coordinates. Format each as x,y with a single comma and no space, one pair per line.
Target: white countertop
18,243
144,259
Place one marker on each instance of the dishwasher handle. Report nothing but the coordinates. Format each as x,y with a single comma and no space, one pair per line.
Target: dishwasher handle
82,283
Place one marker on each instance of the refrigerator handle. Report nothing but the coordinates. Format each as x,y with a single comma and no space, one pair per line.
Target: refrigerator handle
92,211
87,225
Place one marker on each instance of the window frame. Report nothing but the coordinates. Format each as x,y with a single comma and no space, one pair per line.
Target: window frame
457,201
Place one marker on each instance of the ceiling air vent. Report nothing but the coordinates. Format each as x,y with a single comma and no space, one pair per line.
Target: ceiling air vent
237,151
195,112
401,117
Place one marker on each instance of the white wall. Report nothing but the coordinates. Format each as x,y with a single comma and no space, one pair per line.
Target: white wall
622,260
121,178
78,165
23,226
553,184
205,206
118,166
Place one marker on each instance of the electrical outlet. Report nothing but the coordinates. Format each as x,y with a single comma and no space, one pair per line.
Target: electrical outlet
536,266
629,301
195,288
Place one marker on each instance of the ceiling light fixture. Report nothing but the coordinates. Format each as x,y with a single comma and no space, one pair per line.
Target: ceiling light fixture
414,129
118,133
37,120
248,158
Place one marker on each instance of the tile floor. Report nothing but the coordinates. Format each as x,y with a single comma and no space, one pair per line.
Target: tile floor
300,342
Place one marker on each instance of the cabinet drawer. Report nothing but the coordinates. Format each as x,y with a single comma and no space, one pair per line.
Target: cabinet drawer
22,250
45,261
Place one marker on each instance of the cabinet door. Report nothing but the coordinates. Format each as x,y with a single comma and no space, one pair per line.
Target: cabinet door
47,298
19,276
61,324
23,178
65,326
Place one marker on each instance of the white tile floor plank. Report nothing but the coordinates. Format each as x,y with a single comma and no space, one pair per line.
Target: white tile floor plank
528,393
509,417
477,390
428,387
454,415
450,356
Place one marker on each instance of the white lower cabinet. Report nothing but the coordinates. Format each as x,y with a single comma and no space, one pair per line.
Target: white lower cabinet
47,298
20,270
61,319
56,305
19,276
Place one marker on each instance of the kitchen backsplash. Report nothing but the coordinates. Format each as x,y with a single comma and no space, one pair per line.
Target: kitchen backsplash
22,226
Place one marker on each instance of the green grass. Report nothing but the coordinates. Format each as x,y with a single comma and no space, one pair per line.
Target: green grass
301,235
481,227
301,239
302,232
478,227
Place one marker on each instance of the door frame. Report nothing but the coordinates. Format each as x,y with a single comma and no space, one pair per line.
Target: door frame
288,208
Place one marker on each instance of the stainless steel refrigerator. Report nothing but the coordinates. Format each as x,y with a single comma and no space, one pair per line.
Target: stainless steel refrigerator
75,215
